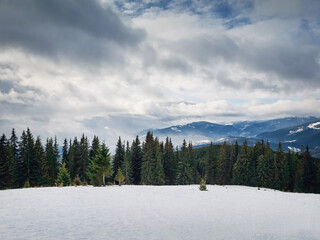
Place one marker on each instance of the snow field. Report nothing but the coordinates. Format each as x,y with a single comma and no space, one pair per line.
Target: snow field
158,212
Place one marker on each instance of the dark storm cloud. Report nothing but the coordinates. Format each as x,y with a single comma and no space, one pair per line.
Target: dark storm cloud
73,28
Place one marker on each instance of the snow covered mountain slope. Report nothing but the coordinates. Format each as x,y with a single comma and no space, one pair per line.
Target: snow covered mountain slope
158,212
304,134
202,133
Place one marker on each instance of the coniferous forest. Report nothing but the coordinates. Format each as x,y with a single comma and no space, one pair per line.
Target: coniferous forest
26,161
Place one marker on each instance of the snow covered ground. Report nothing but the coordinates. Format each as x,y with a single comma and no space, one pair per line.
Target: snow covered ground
165,212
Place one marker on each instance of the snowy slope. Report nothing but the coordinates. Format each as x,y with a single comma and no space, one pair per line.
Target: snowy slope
200,132
304,134
166,212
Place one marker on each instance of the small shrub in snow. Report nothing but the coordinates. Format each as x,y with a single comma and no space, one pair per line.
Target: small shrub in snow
203,185
27,184
77,181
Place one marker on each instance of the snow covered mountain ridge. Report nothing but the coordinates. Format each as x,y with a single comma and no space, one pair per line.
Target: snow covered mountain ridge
292,132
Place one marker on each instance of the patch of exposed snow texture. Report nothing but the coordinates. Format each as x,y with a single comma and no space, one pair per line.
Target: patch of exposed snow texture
158,212
219,140
293,149
313,126
202,142
245,126
175,129
290,141
296,131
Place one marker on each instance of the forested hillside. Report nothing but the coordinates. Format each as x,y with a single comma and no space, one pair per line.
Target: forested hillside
26,162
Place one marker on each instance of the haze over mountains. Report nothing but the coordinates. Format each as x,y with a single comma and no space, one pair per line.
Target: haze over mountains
292,132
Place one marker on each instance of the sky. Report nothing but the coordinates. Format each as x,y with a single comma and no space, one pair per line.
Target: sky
115,67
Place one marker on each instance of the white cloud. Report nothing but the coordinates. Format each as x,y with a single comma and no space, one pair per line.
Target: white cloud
162,67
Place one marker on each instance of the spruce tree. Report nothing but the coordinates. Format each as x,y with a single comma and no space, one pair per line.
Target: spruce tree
70,162
159,177
94,149
136,160
148,161
299,177
65,152
193,164
77,152
184,175
309,171
233,159
169,163
211,165
33,162
241,169
203,185
119,177
118,159
265,168
23,162
223,165
63,176
100,167
51,157
43,178
14,155
84,158
4,163
127,168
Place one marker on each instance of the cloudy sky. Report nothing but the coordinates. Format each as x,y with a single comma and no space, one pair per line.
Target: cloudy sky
115,67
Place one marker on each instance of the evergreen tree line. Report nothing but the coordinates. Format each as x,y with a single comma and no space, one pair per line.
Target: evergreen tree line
26,162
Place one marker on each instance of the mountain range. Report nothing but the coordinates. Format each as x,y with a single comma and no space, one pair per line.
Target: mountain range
293,133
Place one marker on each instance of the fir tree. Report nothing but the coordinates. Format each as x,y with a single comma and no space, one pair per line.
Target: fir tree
211,165
51,157
94,149
43,178
65,152
193,164
159,177
299,177
118,157
100,167
70,162
223,165
23,162
241,169
148,162
309,171
265,168
203,185
184,175
136,160
169,163
4,163
76,158
56,152
14,155
84,158
63,176
119,177
233,159
33,163
127,168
